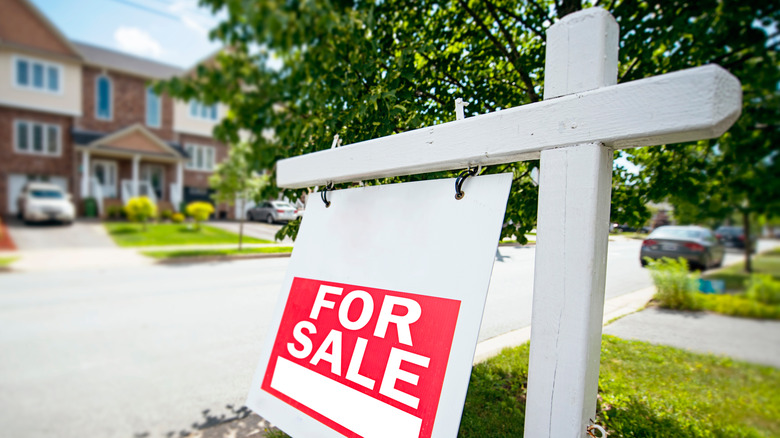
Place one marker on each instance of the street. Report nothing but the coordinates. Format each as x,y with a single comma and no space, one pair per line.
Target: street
152,350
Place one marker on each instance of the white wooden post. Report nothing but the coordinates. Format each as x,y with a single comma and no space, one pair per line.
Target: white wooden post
136,163
85,172
572,236
179,185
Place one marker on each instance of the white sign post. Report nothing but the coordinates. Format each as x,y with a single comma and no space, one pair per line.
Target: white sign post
583,119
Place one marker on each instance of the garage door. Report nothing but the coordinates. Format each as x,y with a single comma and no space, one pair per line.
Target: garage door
17,181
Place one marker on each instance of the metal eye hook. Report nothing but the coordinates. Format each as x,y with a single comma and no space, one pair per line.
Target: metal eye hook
602,432
324,193
459,193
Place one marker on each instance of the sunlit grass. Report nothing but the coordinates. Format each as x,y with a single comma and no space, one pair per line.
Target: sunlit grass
129,234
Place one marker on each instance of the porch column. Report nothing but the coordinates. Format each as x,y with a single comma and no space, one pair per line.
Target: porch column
136,161
84,174
179,184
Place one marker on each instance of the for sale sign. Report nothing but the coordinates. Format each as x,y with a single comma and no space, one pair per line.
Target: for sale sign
344,349
380,311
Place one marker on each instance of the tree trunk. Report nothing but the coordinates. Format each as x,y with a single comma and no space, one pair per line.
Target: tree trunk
748,243
241,223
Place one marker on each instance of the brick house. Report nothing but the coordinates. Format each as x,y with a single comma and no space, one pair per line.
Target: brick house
84,118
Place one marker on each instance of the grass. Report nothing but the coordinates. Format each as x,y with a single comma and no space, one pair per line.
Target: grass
126,234
644,391
5,261
214,252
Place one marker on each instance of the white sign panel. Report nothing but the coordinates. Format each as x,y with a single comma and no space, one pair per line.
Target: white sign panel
380,309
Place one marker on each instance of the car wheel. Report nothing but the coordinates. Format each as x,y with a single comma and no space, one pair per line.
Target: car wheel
643,262
250,217
269,219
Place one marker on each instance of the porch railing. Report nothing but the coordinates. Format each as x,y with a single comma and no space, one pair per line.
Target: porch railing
144,189
96,189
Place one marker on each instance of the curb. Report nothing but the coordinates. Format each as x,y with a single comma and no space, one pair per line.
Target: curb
219,258
613,308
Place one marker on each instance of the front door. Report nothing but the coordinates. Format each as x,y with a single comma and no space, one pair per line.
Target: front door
155,175
104,174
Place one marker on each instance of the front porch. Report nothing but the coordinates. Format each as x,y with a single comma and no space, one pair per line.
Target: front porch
131,162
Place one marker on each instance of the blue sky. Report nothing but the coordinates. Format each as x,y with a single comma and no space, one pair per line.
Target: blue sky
169,31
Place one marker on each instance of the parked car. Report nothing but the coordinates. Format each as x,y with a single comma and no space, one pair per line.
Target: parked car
42,202
272,211
696,244
734,237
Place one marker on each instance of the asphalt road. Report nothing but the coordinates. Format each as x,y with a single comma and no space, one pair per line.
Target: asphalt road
153,351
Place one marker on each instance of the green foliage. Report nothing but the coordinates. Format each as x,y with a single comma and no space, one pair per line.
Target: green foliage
177,218
199,211
140,209
172,234
763,288
166,214
738,305
675,285
114,212
367,69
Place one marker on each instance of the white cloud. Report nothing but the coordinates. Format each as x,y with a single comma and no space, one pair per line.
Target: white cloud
137,42
194,17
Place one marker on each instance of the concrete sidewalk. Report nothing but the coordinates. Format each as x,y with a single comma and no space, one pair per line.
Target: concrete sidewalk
613,308
749,340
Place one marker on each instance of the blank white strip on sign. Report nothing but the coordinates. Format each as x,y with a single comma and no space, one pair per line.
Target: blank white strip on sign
358,412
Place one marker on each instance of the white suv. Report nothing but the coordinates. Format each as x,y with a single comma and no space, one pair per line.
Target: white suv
40,202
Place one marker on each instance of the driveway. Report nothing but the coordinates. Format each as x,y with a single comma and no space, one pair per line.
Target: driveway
81,234
53,247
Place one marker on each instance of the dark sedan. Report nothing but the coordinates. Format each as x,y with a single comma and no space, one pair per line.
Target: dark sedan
698,245
734,237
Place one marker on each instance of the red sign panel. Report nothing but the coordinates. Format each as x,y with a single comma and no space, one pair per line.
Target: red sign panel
366,362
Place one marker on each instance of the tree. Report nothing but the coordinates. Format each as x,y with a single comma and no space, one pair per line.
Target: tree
366,69
235,180
713,179
199,211
140,209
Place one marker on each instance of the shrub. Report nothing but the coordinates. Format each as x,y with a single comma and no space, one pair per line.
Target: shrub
675,286
738,305
177,218
166,214
199,211
114,211
140,209
763,288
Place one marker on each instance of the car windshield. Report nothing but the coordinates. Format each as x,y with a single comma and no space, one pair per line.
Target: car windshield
47,194
684,233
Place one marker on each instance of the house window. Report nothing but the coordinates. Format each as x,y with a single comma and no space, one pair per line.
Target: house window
200,157
103,98
37,75
36,138
200,111
153,104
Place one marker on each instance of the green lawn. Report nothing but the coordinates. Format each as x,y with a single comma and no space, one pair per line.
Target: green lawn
215,252
5,261
645,391
128,234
